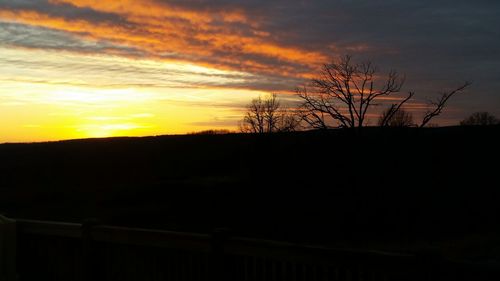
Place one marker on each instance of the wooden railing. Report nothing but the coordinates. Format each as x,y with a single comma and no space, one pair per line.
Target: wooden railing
7,249
89,251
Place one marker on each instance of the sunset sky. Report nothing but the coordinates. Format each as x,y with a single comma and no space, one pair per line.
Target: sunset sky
99,68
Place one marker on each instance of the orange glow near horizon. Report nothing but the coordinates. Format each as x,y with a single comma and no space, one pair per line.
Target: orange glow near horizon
53,102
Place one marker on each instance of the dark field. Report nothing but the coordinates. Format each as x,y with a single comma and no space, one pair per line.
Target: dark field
409,190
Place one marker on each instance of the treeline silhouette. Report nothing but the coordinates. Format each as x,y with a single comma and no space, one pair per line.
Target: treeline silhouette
348,187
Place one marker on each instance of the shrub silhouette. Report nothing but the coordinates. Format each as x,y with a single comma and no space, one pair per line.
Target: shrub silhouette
480,119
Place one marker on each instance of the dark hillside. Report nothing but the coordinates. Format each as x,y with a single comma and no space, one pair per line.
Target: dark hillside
376,187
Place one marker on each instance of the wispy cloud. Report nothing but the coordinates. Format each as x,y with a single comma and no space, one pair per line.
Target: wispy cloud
284,40
34,37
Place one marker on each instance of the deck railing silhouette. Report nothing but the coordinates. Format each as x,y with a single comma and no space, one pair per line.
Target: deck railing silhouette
89,251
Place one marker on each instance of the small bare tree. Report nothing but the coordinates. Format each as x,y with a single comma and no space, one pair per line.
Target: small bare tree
288,121
254,120
267,115
344,92
480,119
392,117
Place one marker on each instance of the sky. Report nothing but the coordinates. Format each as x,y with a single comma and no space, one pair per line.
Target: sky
100,68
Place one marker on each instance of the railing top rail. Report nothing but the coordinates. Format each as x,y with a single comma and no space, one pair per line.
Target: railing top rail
51,228
153,238
252,242
317,254
194,241
118,235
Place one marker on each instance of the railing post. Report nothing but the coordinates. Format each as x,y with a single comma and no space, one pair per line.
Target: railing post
217,268
88,262
8,245
431,266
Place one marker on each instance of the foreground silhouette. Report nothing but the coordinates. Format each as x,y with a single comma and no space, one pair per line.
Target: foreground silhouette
415,190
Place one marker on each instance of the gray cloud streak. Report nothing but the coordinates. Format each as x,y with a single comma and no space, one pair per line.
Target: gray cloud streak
20,35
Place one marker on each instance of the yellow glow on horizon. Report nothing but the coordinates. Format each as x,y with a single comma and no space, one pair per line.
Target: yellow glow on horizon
107,130
106,113
44,98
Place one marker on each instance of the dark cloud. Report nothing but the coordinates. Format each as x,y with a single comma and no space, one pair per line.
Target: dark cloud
60,10
438,44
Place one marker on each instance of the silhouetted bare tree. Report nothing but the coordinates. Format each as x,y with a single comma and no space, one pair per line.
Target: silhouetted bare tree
288,121
267,115
396,117
392,116
440,103
480,119
344,92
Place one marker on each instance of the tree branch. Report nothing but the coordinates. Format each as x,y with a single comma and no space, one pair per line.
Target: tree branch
441,103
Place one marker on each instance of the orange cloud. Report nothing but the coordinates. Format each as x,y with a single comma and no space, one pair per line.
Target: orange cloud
152,9
165,31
